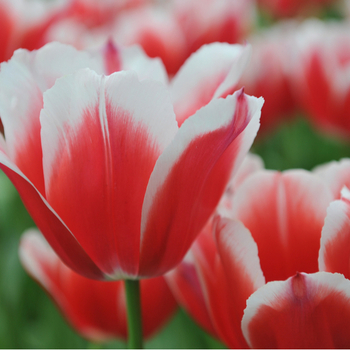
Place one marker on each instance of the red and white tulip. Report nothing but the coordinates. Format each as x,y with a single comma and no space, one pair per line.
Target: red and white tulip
115,186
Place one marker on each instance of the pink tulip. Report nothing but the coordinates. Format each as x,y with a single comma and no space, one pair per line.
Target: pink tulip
96,309
115,186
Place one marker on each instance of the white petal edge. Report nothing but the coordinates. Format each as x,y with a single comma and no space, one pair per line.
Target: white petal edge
217,114
336,218
209,58
148,102
235,239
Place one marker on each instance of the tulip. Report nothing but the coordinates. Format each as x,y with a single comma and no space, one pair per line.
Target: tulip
204,22
269,73
321,78
308,310
115,186
305,311
171,30
281,218
95,309
25,24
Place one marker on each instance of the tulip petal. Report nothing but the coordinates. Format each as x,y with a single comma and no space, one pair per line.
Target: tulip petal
22,82
101,138
284,213
212,72
96,309
7,28
305,311
56,232
336,174
185,285
190,177
228,276
132,58
334,253
90,306
251,164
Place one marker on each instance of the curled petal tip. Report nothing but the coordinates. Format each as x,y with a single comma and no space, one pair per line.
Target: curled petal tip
241,93
112,57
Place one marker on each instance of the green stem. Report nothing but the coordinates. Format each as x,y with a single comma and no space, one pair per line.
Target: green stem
133,303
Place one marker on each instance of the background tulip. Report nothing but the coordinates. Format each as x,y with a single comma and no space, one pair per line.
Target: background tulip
96,309
279,235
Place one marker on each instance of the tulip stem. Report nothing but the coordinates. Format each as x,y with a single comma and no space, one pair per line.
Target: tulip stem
133,302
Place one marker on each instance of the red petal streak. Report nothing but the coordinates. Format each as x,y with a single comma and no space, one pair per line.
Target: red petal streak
306,311
191,192
57,234
99,182
112,60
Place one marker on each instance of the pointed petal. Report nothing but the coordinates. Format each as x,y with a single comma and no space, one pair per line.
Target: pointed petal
96,309
190,177
334,253
22,82
284,213
305,311
118,58
212,72
228,276
55,231
101,137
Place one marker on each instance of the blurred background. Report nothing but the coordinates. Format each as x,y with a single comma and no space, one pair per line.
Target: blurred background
300,64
